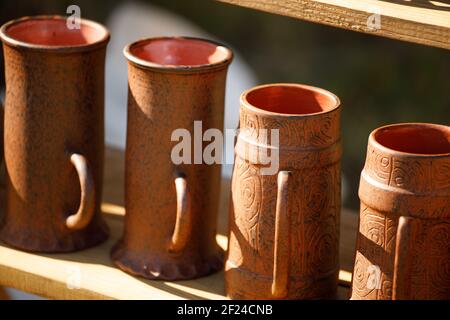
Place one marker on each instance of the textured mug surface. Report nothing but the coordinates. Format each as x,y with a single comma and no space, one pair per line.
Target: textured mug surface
403,244
171,209
54,108
2,118
284,227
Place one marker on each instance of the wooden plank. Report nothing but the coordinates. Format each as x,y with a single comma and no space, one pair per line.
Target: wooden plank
418,21
89,274
57,275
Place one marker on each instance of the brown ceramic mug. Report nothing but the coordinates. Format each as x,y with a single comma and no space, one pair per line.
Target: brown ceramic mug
403,244
54,136
2,117
284,226
171,209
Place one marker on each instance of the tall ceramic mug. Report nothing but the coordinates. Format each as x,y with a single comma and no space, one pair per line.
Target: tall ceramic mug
53,133
284,223
2,118
171,205
403,244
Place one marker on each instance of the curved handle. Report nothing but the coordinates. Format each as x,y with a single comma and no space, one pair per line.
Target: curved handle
281,243
401,274
183,224
86,210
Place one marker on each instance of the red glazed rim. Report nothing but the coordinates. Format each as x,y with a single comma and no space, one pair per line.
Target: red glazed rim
91,35
314,101
176,54
401,148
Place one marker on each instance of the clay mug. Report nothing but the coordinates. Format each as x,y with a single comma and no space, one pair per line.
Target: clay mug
2,118
53,133
403,244
171,206
284,225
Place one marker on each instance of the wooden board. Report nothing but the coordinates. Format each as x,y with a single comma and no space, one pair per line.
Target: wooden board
418,21
89,274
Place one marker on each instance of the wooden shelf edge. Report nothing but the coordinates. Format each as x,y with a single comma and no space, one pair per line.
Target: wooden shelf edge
401,21
52,275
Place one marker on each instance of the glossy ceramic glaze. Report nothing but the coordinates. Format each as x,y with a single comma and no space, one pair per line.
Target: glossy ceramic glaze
284,227
403,246
54,136
171,209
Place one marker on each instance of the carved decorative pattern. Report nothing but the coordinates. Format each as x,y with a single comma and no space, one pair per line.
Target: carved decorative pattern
322,249
419,175
441,175
321,134
318,193
379,166
313,132
375,246
411,175
360,278
248,200
430,260
439,247
314,223
249,124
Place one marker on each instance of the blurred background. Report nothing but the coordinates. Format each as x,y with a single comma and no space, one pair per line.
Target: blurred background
379,81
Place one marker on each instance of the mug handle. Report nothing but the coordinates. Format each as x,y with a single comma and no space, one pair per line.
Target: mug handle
86,210
400,276
183,223
281,243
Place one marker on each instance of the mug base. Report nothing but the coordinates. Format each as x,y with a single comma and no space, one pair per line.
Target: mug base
159,269
241,284
93,235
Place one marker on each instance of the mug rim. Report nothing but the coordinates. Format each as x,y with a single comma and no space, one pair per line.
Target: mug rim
373,140
7,39
127,51
246,104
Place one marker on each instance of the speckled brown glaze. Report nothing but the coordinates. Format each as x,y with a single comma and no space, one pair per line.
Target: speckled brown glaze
284,227
403,244
171,210
2,119
54,134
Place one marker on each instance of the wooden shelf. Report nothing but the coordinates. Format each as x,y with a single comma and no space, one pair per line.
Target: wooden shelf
419,21
48,275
